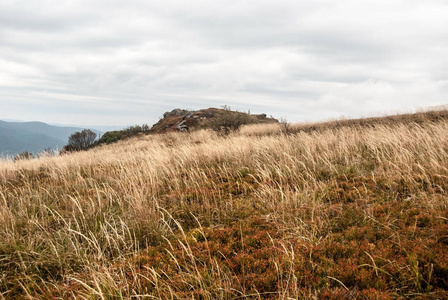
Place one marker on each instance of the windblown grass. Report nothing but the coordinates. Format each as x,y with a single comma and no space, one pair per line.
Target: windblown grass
327,211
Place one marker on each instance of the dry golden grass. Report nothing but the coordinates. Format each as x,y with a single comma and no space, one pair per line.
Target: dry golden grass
337,210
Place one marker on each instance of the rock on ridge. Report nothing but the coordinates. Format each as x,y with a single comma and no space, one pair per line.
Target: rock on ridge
184,120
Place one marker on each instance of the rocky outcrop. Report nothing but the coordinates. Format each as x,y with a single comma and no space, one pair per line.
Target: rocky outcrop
184,120
182,126
175,112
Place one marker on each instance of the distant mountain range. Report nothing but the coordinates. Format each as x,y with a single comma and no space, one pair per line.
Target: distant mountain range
17,137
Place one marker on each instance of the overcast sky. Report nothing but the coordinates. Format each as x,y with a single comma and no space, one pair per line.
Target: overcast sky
113,62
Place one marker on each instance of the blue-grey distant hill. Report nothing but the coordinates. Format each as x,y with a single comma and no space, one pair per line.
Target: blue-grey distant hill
17,137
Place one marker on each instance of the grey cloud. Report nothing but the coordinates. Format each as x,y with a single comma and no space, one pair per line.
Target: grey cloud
299,59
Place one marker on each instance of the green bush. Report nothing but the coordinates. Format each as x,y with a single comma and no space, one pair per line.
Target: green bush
115,136
80,141
228,121
110,137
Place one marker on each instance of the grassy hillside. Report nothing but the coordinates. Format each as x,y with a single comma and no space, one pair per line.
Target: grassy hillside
349,209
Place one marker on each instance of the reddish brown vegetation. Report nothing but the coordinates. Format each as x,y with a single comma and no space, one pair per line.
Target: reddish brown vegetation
377,247
354,212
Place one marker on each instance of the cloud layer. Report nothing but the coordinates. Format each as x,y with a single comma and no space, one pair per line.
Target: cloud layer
118,63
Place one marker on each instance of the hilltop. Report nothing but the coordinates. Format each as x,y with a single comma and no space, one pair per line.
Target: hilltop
211,118
345,209
181,120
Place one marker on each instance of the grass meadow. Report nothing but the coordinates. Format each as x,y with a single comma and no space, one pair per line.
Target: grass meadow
354,209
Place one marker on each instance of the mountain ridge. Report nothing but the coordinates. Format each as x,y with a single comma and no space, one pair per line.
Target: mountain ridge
34,136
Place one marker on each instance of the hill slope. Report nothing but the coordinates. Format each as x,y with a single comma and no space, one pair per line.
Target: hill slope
330,211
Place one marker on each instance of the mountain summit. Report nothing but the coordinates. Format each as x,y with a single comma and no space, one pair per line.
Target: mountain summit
214,118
